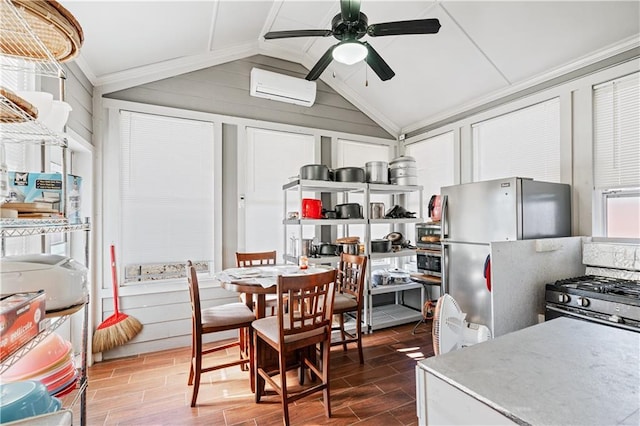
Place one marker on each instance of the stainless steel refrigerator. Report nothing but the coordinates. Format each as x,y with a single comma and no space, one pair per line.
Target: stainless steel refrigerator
476,214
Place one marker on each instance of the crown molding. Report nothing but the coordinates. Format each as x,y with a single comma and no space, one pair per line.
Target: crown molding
86,69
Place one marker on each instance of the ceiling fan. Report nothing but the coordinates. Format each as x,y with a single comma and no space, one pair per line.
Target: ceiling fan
349,26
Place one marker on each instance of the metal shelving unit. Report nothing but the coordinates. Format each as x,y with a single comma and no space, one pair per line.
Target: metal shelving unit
27,130
378,316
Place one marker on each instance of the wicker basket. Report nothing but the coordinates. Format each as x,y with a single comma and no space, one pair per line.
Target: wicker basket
53,25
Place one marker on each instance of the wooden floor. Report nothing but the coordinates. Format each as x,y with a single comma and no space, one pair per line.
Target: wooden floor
151,389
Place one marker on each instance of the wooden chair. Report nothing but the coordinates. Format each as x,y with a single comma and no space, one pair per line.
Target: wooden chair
300,325
263,258
349,297
255,259
226,317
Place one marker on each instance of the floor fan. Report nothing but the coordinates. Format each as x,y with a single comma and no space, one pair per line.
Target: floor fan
450,329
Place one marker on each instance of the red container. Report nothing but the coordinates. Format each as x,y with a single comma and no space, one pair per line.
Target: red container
311,208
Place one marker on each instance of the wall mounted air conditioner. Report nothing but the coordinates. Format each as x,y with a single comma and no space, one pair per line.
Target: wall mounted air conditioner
283,88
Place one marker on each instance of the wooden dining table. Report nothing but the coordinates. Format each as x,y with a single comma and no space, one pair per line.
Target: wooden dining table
258,281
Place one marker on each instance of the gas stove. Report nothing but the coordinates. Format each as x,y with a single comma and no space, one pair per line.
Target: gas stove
610,301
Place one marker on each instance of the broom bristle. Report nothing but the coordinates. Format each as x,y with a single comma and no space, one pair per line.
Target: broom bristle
119,333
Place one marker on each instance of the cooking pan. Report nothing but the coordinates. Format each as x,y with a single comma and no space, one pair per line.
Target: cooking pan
396,238
380,246
314,172
349,174
327,249
349,211
329,214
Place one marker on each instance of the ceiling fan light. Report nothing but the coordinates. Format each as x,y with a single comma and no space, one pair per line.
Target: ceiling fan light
349,52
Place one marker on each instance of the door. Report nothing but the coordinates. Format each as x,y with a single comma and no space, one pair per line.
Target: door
271,158
464,266
481,212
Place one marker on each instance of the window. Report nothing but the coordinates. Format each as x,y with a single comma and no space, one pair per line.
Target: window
357,154
616,154
166,194
272,158
524,143
622,213
435,161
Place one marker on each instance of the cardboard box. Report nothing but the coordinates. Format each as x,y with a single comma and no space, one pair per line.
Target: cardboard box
22,317
27,187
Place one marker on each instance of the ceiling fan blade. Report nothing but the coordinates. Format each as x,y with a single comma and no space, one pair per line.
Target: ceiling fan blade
321,65
418,26
297,33
377,64
350,10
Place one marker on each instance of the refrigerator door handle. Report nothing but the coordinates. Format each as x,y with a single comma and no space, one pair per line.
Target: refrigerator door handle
487,271
444,266
444,229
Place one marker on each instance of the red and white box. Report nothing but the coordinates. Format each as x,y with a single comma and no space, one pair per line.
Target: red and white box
22,317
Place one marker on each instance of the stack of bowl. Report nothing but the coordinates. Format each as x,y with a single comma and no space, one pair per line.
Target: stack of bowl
21,400
50,363
52,113
403,171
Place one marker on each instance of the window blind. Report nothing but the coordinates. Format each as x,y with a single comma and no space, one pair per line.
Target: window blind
358,154
523,143
617,133
167,189
434,159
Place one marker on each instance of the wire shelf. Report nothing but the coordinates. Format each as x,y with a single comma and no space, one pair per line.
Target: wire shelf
26,227
27,129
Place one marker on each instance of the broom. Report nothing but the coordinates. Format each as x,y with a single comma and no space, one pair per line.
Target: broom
119,328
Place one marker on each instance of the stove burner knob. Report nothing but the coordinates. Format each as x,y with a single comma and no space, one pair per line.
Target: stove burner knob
563,298
583,301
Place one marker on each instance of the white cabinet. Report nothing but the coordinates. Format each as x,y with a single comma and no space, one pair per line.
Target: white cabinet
382,315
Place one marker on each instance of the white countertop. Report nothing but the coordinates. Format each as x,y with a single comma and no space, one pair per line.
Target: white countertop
563,371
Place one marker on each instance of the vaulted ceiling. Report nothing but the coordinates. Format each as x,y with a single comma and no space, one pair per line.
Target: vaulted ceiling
483,51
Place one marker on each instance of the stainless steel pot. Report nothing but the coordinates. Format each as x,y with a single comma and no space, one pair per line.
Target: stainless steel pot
314,172
403,171
376,210
377,171
307,247
348,174
402,162
380,246
349,211
349,248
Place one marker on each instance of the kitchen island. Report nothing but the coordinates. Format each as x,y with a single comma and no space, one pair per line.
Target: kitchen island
563,371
